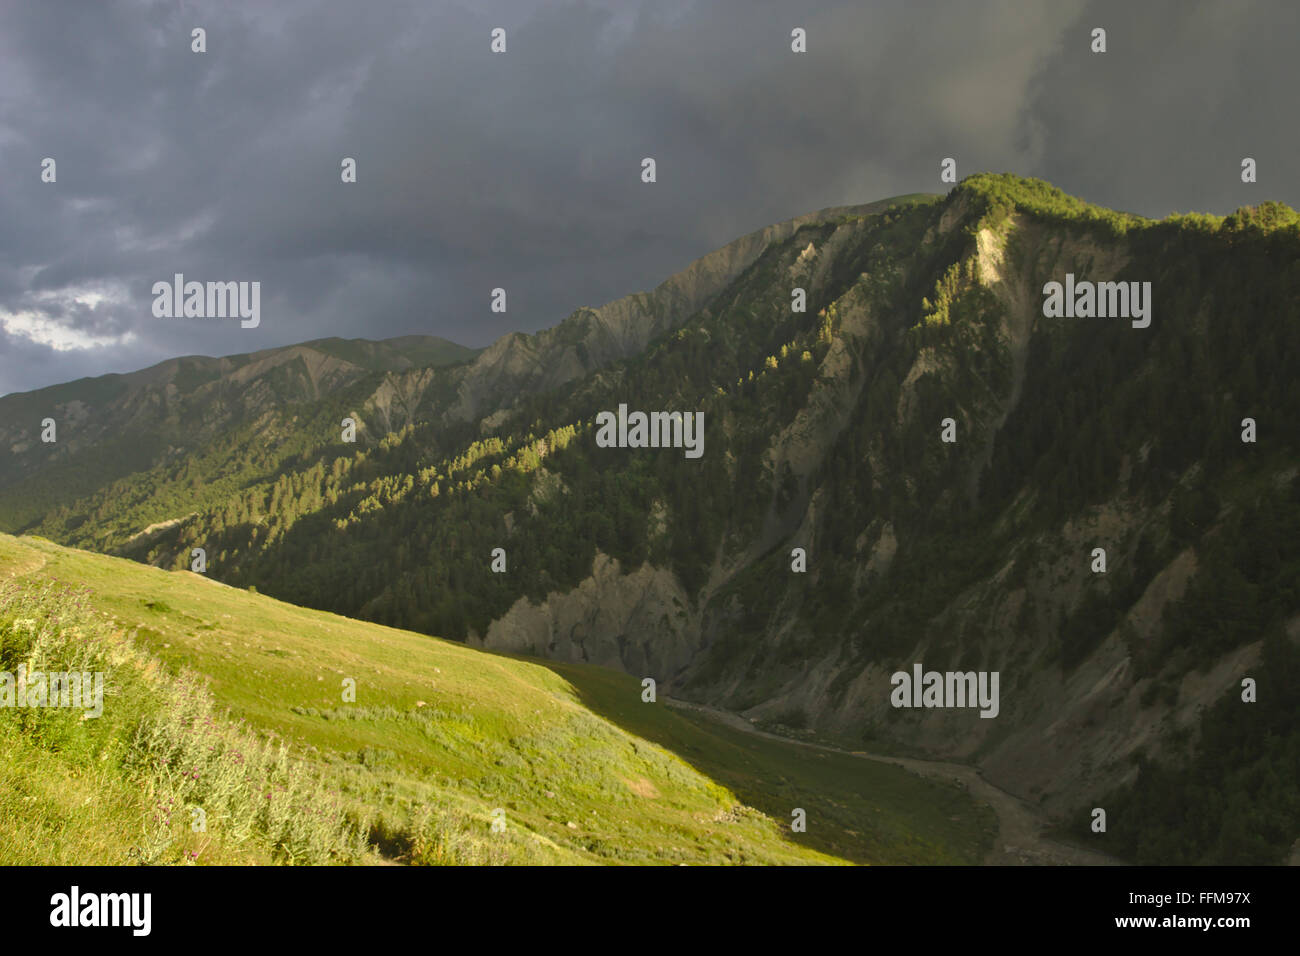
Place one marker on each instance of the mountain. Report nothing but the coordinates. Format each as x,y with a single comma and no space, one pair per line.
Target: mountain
147,423
825,430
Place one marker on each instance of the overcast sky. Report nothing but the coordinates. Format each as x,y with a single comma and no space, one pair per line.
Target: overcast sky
523,170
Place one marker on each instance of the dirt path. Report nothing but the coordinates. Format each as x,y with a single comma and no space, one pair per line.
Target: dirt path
1020,840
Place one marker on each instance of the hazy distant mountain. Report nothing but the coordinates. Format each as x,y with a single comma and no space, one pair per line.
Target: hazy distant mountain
115,426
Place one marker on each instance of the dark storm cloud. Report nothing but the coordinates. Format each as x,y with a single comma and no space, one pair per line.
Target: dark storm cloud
522,170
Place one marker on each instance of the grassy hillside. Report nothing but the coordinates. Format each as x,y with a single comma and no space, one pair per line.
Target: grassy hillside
439,737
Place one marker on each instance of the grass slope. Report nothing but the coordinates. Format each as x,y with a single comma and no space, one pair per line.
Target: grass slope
439,737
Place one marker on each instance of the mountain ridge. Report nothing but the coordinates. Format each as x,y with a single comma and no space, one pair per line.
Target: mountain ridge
824,434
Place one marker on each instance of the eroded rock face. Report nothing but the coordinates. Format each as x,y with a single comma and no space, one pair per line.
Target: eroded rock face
594,338
639,622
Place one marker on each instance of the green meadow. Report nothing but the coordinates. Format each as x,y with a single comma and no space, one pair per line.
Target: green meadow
233,710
